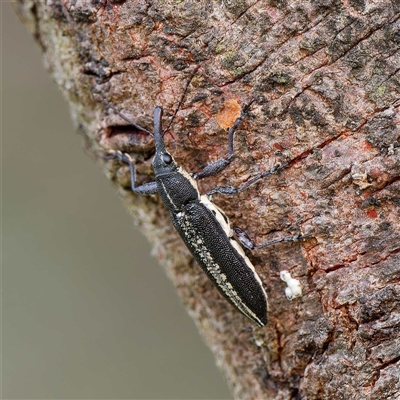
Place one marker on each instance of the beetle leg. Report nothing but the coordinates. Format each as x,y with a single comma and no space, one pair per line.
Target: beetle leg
145,189
248,243
219,165
230,190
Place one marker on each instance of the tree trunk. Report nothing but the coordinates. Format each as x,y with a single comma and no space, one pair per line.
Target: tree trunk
326,82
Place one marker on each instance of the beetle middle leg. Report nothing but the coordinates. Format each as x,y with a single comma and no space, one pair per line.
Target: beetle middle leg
247,242
230,190
240,234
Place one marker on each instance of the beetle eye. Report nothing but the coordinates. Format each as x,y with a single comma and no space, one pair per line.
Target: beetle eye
167,158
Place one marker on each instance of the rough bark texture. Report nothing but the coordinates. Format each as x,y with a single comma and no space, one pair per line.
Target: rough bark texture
325,75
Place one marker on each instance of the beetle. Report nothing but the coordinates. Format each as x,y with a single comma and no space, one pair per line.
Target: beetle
203,226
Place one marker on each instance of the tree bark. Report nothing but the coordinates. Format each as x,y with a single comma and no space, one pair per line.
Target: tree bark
325,76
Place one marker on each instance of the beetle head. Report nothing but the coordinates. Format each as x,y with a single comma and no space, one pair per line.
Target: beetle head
163,163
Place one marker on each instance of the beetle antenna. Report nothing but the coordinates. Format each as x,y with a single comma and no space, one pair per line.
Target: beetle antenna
181,100
118,112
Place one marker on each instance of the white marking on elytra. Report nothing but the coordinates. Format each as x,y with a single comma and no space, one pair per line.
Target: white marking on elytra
293,289
213,268
219,215
226,226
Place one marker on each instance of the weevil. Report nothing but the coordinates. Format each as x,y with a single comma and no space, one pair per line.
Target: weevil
203,226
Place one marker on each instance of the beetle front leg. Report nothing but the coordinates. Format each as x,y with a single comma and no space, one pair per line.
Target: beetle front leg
219,165
145,189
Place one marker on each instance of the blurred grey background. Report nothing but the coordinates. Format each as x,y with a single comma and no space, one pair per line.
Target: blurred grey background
87,314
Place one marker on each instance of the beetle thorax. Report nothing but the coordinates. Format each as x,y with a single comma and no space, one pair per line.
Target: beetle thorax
177,189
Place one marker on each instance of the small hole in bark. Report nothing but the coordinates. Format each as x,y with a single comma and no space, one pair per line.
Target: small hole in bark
116,130
128,138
